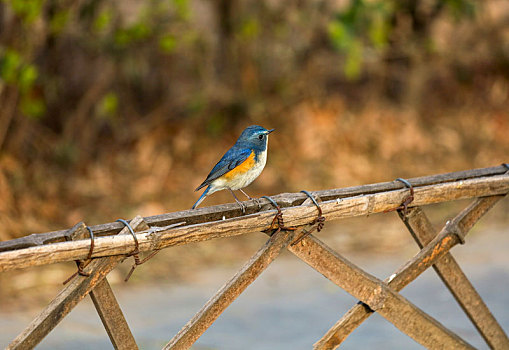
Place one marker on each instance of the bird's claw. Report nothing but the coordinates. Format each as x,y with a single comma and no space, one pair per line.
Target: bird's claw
257,201
242,207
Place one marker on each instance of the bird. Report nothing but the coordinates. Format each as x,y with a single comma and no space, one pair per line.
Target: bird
239,166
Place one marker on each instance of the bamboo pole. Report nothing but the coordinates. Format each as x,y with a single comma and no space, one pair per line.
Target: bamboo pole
232,210
378,295
294,216
106,303
457,282
230,291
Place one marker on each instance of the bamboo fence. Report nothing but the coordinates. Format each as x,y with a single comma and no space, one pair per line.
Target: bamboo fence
290,227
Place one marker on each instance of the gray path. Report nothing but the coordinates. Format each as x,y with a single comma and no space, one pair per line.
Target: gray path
289,307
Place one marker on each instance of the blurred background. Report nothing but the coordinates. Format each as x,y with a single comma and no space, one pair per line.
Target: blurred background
116,108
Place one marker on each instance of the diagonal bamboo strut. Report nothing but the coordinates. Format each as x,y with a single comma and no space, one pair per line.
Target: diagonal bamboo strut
294,216
112,317
430,254
231,290
463,291
69,297
379,296
284,200
107,306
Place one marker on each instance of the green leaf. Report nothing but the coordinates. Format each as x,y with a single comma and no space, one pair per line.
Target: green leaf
135,33
27,77
122,37
461,8
379,31
59,21
339,34
167,43
33,107
140,31
182,7
10,64
109,104
27,10
250,29
353,62
103,20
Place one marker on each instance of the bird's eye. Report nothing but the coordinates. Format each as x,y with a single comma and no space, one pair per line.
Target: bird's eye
260,137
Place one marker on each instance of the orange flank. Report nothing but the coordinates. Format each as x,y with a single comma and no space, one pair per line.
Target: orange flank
242,168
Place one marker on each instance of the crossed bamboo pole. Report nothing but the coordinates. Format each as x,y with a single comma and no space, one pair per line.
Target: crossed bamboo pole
434,251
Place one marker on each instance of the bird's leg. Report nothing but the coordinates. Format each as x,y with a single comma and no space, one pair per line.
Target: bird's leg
245,194
242,206
252,199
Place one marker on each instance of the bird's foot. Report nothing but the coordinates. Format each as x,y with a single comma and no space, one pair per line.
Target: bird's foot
257,201
242,207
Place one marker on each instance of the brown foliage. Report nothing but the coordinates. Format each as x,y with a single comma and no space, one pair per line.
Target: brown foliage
140,109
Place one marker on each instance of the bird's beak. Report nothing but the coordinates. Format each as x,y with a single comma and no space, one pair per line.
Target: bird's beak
269,131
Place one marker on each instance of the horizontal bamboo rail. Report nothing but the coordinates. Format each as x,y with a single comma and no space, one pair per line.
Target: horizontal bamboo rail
232,210
294,216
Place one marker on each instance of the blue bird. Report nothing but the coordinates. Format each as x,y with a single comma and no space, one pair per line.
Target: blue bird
239,166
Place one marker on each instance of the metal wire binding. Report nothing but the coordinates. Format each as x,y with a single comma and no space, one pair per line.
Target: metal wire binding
82,264
409,199
319,221
135,253
278,217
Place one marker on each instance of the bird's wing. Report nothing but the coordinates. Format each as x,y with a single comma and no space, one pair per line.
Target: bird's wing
230,160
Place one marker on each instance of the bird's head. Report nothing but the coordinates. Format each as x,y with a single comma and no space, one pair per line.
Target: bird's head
255,136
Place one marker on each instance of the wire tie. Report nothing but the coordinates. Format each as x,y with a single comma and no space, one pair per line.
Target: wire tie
82,264
319,221
409,199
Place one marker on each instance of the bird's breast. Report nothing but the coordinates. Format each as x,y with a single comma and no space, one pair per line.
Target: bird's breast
242,168
245,173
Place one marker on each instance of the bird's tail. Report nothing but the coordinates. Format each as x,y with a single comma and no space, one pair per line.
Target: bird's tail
202,197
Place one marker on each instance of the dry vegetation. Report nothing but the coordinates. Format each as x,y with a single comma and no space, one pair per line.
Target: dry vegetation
315,147
133,102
